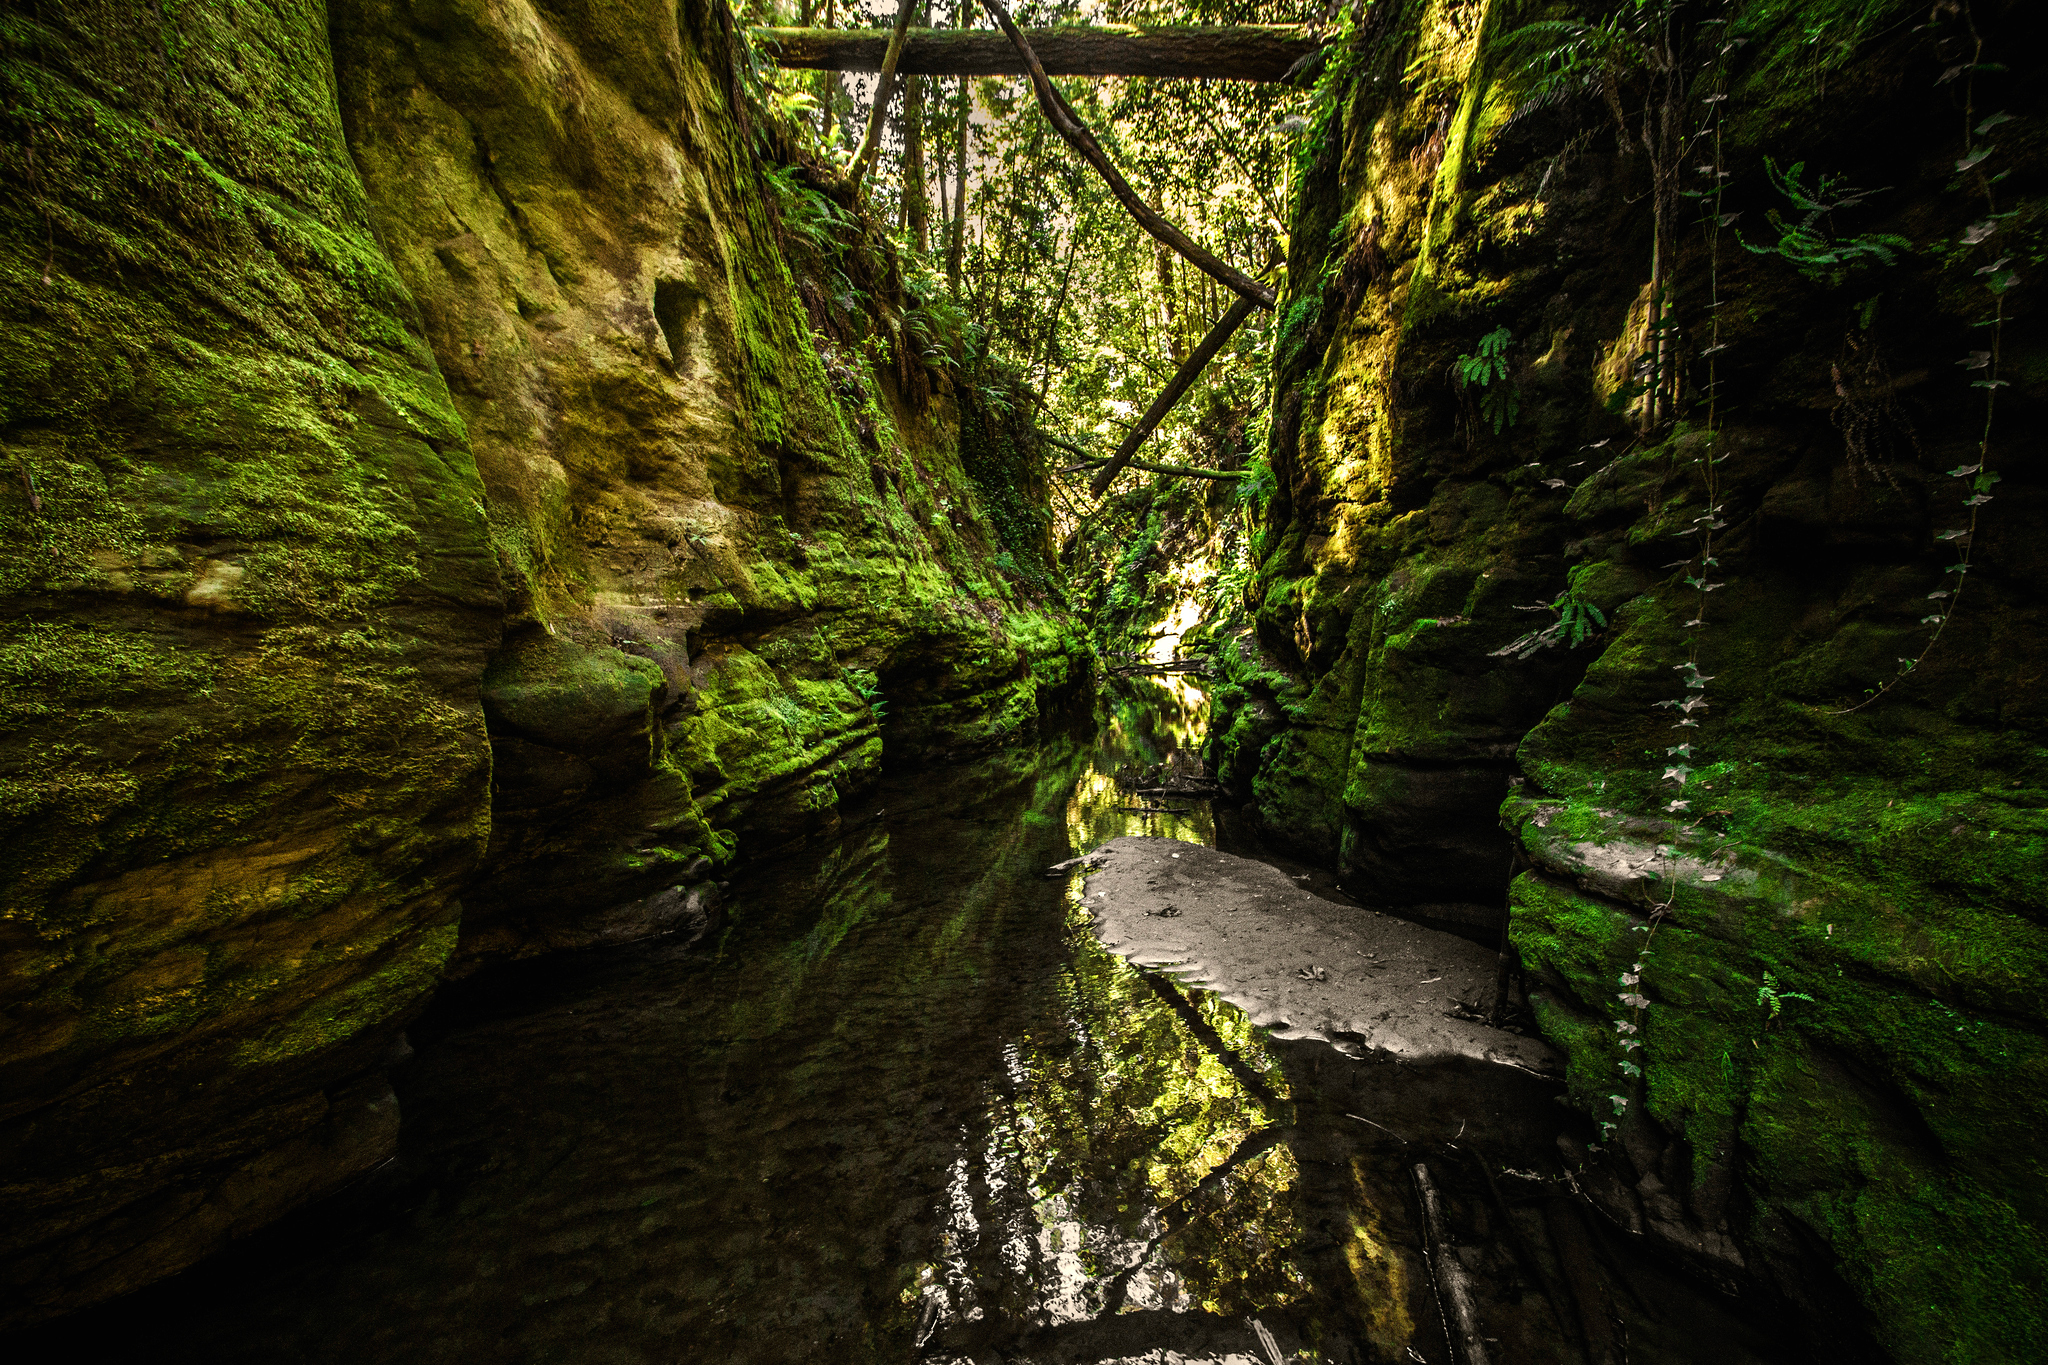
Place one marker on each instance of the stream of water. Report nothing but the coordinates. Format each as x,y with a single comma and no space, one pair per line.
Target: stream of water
903,1106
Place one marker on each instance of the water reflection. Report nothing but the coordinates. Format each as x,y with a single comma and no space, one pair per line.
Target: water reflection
907,1108
1130,1163
1148,727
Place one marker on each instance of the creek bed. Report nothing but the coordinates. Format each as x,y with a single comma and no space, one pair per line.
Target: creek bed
905,1106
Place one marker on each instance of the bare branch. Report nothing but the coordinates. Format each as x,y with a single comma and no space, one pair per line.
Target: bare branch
1076,133
1182,379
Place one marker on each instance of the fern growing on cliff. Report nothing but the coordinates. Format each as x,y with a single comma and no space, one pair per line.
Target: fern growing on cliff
868,688
1810,243
1487,370
1575,623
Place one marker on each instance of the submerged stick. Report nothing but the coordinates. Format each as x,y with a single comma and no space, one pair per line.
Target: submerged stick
1454,1285
1266,1342
1381,1126
1077,135
1182,380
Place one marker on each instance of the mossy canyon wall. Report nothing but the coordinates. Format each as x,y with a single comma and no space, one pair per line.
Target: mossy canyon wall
1792,944
441,523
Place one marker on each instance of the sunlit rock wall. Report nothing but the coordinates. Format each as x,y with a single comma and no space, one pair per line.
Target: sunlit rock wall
703,519
1842,1061
422,481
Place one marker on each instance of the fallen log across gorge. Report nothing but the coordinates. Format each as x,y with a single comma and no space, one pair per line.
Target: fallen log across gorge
1245,52
1251,293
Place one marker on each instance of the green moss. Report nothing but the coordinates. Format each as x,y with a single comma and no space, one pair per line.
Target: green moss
1888,1110
1795,45
243,575
367,1002
1008,472
1887,862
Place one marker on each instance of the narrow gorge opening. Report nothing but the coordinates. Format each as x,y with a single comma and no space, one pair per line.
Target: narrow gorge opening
1209,683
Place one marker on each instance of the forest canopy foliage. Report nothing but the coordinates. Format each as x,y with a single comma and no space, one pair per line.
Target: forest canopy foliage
1044,276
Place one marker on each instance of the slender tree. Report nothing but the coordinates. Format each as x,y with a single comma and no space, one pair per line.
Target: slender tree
828,113
885,87
916,207
963,124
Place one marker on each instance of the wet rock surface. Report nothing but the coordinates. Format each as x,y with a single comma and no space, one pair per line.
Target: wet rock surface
1298,963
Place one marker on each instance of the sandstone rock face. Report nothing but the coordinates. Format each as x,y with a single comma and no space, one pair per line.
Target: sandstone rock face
1839,1059
688,491
248,590
425,480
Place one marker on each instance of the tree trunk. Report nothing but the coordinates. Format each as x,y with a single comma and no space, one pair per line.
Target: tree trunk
956,249
1664,140
828,116
1163,259
1059,309
1241,53
916,209
871,141
941,164
1182,379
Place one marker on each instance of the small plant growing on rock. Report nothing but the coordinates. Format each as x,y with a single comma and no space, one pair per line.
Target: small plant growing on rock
1773,999
868,688
1576,621
1810,243
1487,370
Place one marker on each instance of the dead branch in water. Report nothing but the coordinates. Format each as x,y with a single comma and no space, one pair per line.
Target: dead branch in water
1453,1281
